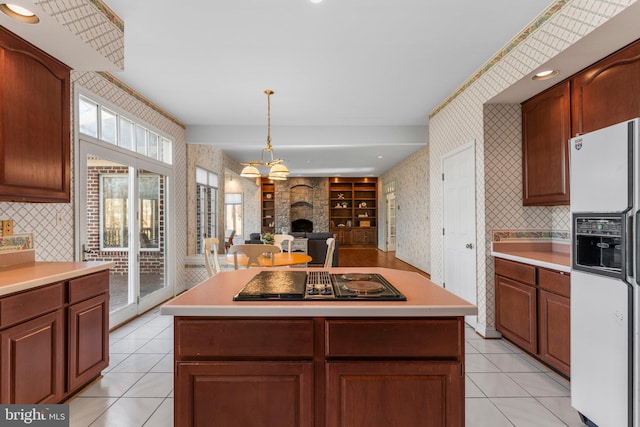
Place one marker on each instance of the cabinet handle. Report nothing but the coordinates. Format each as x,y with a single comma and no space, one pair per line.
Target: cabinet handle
469,246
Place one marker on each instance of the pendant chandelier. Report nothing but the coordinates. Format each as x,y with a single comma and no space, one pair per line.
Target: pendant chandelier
277,169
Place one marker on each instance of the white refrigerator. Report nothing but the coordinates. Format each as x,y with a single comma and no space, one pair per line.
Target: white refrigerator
605,276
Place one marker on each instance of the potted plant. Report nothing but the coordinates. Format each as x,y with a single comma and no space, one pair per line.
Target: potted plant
267,238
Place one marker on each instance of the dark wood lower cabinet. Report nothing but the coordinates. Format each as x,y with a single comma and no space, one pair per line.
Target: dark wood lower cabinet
382,394
44,359
88,340
278,394
554,318
334,372
533,311
32,361
516,312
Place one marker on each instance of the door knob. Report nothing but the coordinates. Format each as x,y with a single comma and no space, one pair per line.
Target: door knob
469,246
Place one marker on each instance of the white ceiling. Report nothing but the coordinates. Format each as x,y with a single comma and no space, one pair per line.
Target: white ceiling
354,80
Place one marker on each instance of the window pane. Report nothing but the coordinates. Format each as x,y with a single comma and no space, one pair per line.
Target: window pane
166,151
149,193
126,133
141,140
213,179
201,176
115,220
153,146
108,130
88,112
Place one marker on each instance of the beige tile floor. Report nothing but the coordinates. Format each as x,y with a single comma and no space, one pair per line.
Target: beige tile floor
504,386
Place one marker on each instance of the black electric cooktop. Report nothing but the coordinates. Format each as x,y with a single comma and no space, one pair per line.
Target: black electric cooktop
318,285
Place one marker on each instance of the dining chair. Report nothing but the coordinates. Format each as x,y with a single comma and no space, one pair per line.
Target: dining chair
282,241
331,247
252,252
211,260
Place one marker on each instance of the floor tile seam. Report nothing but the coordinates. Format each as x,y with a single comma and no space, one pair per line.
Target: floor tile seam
105,410
156,410
500,411
510,379
138,372
532,397
514,380
478,387
549,409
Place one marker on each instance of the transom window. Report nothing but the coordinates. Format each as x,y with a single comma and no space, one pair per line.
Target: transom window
106,125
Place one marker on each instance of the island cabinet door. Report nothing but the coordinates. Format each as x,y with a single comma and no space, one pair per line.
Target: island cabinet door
251,394
395,393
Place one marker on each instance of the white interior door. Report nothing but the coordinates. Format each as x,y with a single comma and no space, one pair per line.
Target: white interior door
459,220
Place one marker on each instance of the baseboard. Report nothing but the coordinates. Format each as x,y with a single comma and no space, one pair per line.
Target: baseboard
487,332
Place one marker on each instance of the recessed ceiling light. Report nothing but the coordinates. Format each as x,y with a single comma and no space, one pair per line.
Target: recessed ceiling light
546,74
315,1
379,157
19,13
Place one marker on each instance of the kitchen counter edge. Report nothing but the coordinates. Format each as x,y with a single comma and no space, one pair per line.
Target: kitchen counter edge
539,259
28,276
213,297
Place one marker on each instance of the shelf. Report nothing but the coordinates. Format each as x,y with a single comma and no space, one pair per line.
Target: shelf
355,192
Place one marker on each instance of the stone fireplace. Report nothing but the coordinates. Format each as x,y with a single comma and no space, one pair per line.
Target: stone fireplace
302,204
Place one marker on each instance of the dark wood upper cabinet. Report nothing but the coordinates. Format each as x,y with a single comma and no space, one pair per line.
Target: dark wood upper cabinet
34,123
607,92
546,129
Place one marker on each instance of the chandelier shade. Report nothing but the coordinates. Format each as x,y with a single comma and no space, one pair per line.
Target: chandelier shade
277,170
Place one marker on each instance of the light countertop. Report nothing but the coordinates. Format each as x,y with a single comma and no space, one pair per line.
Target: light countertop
31,275
214,297
555,256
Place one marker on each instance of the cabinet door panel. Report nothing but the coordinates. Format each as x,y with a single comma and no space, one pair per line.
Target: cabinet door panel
546,129
34,112
554,322
516,315
382,394
32,355
88,351
607,92
248,394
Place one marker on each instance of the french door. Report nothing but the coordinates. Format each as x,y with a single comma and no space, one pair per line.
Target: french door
124,217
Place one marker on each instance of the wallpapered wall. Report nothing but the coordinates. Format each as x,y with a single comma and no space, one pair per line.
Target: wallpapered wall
413,230
463,119
497,132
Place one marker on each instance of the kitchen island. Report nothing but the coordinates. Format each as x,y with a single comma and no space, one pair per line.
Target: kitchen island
319,363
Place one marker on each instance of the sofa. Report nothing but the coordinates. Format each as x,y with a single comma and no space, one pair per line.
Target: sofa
316,245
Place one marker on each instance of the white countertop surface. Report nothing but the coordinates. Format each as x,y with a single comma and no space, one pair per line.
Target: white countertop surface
214,297
26,276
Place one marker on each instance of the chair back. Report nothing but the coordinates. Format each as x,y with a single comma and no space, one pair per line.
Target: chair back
283,241
252,252
331,247
211,260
